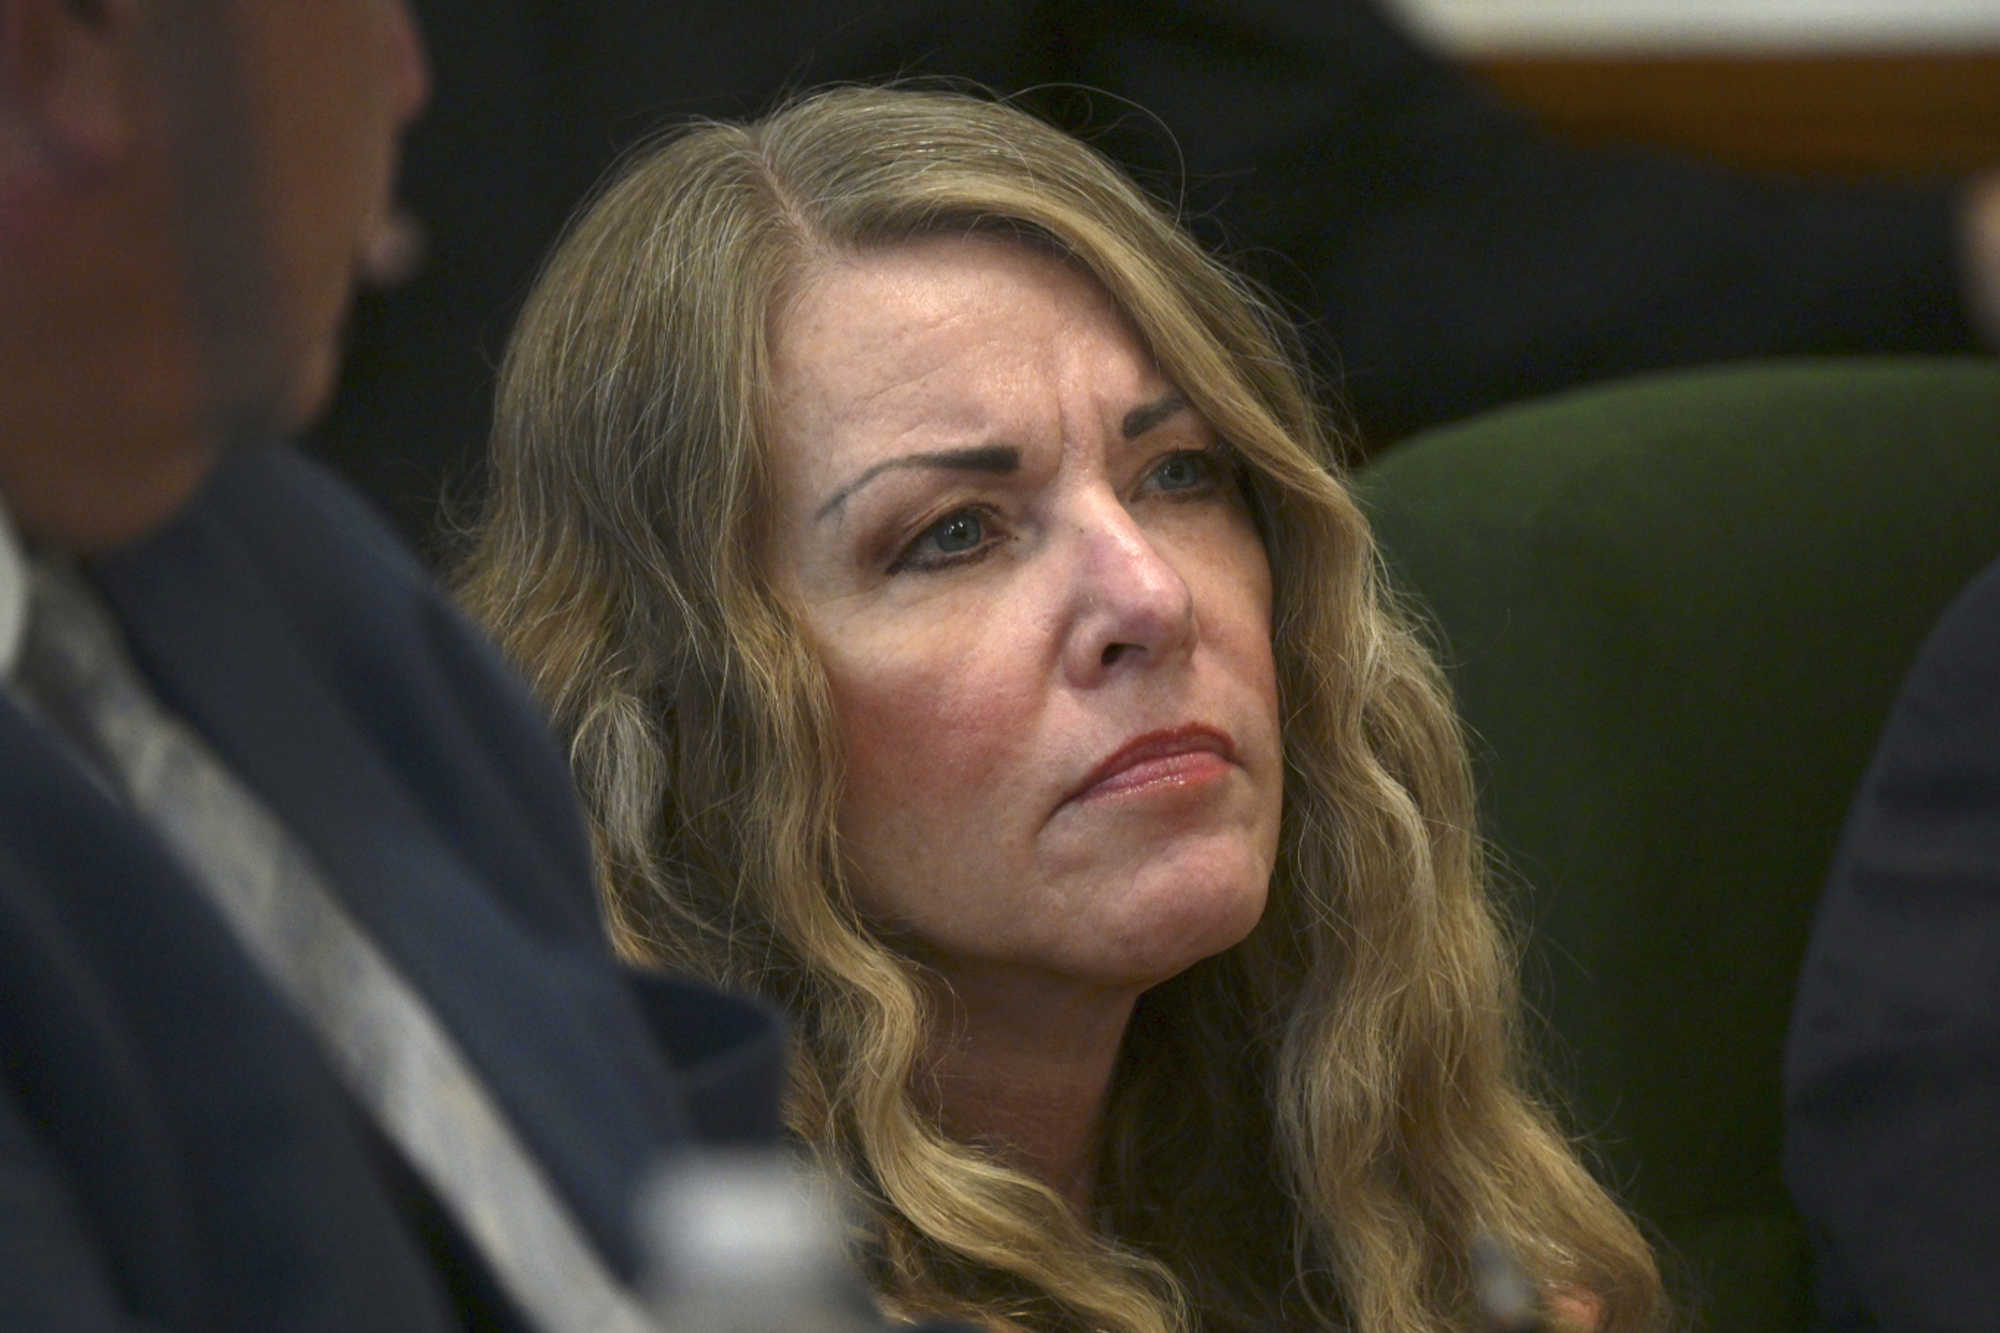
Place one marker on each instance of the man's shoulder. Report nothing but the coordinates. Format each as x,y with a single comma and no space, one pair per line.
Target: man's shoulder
302,639
1960,659
278,550
306,525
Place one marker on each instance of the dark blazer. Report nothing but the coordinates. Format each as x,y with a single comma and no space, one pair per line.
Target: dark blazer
1893,1073
1445,255
173,1151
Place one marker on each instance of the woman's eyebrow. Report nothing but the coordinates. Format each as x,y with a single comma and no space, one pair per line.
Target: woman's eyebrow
1148,415
998,459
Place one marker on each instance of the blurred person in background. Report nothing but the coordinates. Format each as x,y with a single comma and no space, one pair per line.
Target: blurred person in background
1445,256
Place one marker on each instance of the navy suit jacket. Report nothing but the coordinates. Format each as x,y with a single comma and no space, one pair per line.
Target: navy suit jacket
174,1153
1892,1079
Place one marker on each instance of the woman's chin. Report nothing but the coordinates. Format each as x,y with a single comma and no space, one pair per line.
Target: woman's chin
1199,912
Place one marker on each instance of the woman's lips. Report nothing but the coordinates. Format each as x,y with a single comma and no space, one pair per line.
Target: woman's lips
1178,758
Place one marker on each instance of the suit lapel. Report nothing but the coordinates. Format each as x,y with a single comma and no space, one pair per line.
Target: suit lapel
539,1013
186,1109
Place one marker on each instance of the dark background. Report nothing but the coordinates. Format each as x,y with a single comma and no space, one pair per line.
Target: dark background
1441,254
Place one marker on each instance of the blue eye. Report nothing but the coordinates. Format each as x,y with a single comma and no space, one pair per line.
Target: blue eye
956,533
959,536
1184,472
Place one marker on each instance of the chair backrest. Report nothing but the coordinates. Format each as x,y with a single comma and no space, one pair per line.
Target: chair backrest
1676,610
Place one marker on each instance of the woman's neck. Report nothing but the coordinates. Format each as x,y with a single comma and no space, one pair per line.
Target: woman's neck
1027,1072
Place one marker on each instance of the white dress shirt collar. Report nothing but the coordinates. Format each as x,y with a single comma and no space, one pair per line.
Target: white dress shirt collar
13,594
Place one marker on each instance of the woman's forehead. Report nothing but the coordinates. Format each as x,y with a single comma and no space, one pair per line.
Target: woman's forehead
950,343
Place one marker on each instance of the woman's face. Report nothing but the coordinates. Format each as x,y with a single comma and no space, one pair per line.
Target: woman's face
1044,612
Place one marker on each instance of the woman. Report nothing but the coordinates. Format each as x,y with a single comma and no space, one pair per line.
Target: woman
934,562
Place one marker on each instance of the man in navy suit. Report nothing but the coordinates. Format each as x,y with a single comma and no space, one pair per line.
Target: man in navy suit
206,1121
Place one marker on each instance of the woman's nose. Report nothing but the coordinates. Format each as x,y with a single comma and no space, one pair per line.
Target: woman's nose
1128,604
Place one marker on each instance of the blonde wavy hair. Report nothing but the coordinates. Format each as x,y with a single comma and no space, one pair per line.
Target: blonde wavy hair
1308,1130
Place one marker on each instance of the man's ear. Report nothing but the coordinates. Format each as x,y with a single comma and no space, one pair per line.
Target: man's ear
68,81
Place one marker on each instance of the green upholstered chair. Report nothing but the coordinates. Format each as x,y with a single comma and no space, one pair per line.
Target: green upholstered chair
1675,610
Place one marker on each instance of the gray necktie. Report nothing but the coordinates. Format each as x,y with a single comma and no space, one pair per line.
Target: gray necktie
376,1029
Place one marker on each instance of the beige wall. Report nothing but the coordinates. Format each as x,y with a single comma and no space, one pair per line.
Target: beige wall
1492,27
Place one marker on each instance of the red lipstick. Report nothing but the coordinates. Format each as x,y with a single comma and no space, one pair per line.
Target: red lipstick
1178,757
